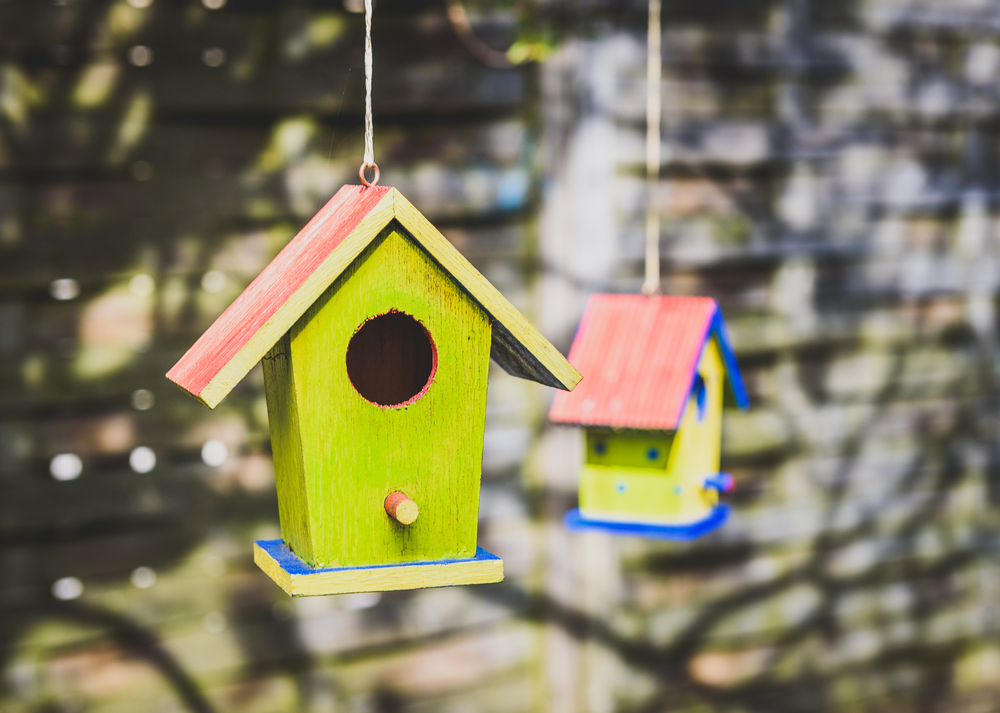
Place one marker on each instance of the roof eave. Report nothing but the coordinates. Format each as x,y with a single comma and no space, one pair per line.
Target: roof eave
516,345
287,313
717,326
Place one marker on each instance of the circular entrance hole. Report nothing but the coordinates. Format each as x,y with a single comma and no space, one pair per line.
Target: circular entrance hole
391,359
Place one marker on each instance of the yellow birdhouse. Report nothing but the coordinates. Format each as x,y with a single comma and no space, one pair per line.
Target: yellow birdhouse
651,406
375,336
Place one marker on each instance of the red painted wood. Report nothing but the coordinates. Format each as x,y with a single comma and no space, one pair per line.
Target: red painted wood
392,503
273,286
638,356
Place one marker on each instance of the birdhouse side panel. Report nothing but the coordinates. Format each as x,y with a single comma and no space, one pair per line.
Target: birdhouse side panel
697,447
358,449
286,445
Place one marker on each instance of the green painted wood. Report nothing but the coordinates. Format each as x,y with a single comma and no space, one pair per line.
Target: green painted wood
355,453
286,443
621,480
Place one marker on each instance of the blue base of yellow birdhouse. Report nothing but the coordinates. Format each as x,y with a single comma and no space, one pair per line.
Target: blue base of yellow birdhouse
298,579
577,522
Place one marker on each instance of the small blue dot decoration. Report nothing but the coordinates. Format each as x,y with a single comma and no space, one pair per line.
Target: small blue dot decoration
600,448
678,490
620,487
653,453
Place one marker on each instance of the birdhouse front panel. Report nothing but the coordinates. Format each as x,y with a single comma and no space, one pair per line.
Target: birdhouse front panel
380,388
646,450
625,472
659,476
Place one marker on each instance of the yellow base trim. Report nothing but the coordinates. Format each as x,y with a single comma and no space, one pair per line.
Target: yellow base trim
297,580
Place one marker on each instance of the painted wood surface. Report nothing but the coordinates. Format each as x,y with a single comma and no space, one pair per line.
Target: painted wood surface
649,450
517,346
697,445
659,477
297,579
576,521
286,446
355,453
640,354
401,508
290,283
321,251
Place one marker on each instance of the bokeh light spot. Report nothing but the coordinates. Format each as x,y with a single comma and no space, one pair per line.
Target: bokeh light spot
143,577
64,289
66,466
142,285
67,588
214,281
214,57
142,459
140,56
143,399
214,453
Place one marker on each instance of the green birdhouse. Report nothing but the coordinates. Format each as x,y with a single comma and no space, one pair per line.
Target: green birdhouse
651,408
375,336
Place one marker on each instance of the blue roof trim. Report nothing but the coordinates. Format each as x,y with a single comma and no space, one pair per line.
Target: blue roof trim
294,565
576,522
718,327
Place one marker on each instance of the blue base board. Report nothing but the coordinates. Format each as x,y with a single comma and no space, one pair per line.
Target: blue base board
294,565
576,522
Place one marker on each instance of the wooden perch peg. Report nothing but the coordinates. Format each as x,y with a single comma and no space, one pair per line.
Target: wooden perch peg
401,509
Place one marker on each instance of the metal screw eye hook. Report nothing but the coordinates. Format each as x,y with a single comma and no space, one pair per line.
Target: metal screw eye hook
361,173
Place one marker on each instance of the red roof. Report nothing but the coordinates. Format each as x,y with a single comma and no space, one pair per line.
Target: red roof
638,357
273,286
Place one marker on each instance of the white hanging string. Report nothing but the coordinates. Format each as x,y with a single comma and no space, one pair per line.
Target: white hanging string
369,160
651,284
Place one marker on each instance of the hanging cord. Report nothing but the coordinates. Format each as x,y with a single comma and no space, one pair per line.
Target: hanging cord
651,285
369,161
